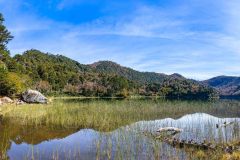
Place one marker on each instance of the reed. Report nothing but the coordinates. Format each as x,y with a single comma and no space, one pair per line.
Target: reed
109,115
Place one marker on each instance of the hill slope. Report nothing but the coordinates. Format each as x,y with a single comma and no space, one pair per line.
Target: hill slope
226,85
58,74
133,75
140,77
174,85
56,69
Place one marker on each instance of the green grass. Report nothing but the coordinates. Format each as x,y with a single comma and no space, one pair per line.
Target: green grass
107,115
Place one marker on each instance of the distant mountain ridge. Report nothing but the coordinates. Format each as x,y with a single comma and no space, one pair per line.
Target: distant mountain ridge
226,85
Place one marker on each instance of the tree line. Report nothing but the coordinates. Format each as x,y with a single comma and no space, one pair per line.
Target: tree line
58,75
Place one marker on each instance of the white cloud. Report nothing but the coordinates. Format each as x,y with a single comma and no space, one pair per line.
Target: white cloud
157,39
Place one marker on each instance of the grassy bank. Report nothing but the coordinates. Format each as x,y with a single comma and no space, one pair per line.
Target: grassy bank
106,115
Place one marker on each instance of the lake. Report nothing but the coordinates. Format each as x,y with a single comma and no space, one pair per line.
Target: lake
117,129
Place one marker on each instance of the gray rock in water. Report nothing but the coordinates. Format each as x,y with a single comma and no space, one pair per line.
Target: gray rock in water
6,100
32,96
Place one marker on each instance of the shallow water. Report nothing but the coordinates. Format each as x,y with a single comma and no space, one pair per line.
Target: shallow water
127,142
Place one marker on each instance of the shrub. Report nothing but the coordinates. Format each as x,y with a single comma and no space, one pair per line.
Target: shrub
12,84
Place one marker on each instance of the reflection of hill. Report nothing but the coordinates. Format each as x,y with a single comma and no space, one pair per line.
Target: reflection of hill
30,135
35,135
49,137
195,118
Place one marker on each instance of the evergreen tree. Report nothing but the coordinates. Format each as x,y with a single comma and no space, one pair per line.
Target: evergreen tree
5,35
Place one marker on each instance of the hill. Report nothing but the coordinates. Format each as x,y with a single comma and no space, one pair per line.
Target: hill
58,70
133,75
174,85
58,74
226,85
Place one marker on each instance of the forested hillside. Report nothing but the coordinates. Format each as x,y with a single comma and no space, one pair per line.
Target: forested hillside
226,85
58,75
129,73
140,77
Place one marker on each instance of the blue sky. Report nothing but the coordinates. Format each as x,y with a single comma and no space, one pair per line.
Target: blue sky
196,38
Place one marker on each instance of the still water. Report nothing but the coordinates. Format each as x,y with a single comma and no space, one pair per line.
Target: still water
133,141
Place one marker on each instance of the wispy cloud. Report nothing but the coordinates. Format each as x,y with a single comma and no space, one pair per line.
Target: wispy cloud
198,39
66,3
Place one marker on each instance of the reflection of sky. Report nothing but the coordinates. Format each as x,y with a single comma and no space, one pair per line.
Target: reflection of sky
197,126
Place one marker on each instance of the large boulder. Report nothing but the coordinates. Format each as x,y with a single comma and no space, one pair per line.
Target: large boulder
5,100
32,96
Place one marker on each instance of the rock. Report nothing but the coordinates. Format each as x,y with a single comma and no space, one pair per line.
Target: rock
229,149
19,102
169,129
6,100
225,124
32,96
182,143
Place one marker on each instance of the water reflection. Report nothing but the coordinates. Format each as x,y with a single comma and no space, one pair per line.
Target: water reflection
124,143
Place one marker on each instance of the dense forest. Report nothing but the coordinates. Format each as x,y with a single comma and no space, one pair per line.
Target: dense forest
59,75
226,85
133,75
